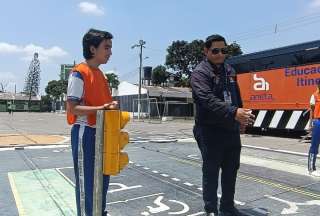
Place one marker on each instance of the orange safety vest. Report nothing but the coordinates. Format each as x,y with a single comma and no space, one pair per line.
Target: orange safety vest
316,113
96,91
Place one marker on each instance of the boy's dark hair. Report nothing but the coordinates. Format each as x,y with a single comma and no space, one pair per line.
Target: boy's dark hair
93,38
213,38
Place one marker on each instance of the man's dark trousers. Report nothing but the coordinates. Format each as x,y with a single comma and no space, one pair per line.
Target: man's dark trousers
220,149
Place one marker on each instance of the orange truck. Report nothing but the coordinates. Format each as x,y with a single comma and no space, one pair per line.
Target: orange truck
277,84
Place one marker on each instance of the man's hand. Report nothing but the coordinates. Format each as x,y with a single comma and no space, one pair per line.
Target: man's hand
242,129
111,106
244,116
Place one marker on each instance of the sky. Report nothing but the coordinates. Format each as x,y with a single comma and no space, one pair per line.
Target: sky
55,29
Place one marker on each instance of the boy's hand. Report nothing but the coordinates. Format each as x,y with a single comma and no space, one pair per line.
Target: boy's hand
111,106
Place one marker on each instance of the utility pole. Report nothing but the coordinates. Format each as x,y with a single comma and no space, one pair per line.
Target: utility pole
141,46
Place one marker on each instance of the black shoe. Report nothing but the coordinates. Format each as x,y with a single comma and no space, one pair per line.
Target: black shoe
231,212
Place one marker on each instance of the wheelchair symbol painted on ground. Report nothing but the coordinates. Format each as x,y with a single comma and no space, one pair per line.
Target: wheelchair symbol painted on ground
160,207
293,206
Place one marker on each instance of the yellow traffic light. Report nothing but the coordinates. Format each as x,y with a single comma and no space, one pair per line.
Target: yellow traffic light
114,141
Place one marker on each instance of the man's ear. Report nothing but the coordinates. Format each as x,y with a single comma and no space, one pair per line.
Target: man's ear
92,50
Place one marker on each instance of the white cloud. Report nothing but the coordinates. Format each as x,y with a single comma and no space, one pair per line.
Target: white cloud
314,4
28,51
90,8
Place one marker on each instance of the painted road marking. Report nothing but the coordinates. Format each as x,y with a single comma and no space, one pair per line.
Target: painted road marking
137,198
191,185
16,195
188,184
259,180
122,187
42,192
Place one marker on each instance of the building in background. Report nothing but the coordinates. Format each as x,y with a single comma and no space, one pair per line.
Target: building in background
65,70
156,101
18,102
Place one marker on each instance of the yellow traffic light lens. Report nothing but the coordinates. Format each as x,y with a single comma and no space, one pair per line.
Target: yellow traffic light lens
124,119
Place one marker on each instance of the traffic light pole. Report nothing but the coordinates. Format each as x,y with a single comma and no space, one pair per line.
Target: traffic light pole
98,165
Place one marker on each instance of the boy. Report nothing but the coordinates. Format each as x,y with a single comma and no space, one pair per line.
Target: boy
88,91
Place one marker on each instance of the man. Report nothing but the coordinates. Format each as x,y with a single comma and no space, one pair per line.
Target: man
88,92
219,120
315,127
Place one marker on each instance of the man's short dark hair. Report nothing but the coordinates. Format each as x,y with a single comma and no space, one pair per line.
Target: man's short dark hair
94,38
213,38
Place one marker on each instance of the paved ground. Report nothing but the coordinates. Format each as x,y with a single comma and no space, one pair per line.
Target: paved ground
163,177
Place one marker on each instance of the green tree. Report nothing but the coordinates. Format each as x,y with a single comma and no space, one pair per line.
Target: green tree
113,80
159,75
46,103
234,49
56,88
183,57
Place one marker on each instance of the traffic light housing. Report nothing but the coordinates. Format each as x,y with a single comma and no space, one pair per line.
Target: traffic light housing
114,141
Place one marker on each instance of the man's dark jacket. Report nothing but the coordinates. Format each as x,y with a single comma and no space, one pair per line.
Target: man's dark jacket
208,83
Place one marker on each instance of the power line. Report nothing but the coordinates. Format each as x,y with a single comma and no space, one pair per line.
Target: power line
279,27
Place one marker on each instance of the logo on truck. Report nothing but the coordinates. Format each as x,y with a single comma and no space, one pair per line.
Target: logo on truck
261,84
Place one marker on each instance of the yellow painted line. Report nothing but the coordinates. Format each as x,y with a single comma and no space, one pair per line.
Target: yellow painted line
261,181
280,186
16,195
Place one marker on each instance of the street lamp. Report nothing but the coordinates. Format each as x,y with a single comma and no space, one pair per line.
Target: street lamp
141,46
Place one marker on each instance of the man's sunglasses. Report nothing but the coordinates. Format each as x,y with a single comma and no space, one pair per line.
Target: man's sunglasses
215,51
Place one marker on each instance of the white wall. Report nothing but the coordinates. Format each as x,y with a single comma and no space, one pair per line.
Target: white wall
126,88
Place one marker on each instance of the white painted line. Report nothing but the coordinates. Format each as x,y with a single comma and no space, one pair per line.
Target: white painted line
260,117
125,201
7,149
146,168
196,214
200,189
121,187
66,139
294,119
275,165
138,165
139,141
164,175
130,162
155,171
175,179
188,184
35,147
187,140
65,177
276,119
68,167
276,150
